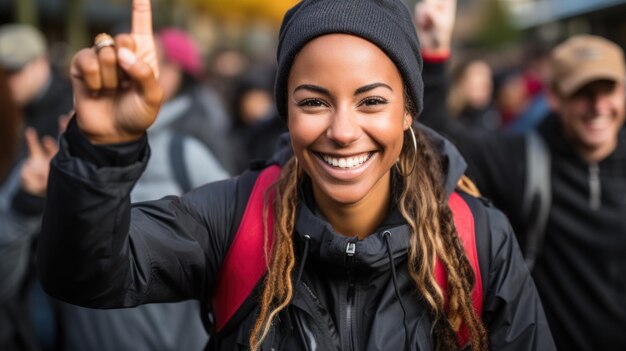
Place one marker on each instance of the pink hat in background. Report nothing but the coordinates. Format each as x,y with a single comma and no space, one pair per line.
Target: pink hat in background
179,47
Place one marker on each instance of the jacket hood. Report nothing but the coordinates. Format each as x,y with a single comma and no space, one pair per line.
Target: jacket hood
452,163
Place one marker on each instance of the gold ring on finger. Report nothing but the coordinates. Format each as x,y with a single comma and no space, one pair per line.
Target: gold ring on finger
103,40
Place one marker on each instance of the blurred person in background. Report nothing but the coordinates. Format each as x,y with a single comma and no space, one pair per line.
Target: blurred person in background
178,162
471,93
535,74
40,96
226,65
23,181
578,254
192,108
256,126
510,95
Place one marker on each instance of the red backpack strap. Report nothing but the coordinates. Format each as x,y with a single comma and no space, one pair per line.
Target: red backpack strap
239,276
464,222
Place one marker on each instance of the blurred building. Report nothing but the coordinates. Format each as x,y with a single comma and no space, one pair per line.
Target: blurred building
553,20
246,25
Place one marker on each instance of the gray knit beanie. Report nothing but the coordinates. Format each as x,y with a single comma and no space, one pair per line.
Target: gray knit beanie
386,23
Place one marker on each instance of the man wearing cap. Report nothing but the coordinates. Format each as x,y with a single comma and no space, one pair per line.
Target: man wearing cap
580,262
42,94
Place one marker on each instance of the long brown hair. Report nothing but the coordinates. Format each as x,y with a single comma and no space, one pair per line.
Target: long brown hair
11,121
422,200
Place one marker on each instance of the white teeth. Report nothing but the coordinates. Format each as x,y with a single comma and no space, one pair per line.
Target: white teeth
345,162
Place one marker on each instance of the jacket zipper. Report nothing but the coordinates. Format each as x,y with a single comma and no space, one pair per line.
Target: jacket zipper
350,252
594,187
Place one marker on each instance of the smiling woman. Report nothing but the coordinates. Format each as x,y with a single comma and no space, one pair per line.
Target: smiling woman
347,117
360,206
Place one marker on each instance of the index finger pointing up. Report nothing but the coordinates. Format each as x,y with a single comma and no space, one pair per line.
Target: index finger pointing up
141,20
32,142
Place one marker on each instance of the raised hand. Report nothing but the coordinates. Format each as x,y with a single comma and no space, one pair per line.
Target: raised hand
116,93
35,170
434,20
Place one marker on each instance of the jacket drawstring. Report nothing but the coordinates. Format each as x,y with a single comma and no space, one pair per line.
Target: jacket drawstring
305,254
387,236
595,190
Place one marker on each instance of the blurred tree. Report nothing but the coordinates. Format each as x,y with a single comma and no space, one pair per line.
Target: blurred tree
273,10
497,27
76,27
26,12
168,17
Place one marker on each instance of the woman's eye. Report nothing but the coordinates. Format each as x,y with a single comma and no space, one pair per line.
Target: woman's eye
373,101
311,103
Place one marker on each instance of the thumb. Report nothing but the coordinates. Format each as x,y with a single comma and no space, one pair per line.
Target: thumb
422,15
50,146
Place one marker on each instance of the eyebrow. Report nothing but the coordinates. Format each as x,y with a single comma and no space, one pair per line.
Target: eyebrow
361,90
313,88
372,86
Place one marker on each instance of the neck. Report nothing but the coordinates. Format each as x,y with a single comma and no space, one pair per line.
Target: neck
358,219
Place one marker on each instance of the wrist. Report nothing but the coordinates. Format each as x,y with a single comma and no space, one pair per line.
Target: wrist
115,139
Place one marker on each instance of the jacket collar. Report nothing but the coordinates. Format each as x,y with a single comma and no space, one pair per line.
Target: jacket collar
370,254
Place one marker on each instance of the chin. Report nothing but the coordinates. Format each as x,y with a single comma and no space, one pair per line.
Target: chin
596,140
345,194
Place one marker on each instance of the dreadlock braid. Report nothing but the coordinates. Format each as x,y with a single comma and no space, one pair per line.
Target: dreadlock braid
423,200
278,287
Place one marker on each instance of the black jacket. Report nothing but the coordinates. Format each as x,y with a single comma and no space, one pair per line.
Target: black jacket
581,271
98,250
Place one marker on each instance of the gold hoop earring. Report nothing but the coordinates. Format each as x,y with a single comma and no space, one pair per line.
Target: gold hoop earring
414,163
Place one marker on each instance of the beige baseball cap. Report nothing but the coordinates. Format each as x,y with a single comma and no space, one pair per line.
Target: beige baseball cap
583,59
19,45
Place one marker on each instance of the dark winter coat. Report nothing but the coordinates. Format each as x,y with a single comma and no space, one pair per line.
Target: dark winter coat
99,251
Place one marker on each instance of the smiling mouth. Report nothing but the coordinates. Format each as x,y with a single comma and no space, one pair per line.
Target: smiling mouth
345,162
598,122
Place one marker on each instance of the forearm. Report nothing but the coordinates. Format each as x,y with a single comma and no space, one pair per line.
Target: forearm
435,113
97,250
84,238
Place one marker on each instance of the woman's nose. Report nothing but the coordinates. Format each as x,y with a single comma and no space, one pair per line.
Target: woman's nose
344,128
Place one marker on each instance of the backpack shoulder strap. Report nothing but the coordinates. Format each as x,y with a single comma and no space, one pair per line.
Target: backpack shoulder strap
537,195
238,277
177,161
464,223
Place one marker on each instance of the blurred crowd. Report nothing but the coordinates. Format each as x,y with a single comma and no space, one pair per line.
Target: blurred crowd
204,132
218,116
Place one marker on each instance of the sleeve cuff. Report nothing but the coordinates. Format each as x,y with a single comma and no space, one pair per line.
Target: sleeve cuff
110,155
27,204
436,57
